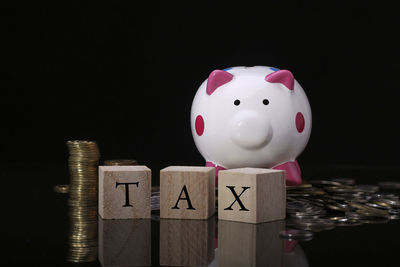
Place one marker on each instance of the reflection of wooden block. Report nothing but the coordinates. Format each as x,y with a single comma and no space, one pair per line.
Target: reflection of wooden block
187,242
124,192
251,195
125,242
187,192
243,244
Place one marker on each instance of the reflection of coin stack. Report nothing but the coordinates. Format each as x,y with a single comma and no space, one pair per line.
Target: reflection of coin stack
83,162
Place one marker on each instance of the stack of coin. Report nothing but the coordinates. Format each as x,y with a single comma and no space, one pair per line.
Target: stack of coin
324,204
83,163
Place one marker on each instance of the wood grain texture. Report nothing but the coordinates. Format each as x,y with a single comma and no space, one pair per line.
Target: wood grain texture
125,242
112,192
263,195
187,242
199,183
244,244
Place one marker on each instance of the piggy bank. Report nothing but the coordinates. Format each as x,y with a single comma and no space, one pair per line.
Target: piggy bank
251,117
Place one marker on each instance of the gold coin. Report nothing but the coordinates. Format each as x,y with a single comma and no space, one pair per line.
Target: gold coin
61,188
120,162
300,186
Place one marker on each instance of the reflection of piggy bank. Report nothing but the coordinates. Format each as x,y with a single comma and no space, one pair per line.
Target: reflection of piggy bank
252,117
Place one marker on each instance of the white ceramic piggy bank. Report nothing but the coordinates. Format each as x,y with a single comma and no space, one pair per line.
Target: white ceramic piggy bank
252,117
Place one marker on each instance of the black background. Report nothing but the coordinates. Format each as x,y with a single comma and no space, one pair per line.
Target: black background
125,74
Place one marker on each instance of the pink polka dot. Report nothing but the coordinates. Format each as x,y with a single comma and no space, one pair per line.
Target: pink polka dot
199,125
300,123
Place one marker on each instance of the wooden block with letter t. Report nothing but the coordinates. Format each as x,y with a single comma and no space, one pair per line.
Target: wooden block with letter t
251,195
187,192
124,192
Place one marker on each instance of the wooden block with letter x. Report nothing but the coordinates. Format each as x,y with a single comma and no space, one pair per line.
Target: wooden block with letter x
124,192
187,192
251,195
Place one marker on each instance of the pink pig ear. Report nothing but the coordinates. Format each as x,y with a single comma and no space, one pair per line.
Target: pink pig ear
284,77
216,79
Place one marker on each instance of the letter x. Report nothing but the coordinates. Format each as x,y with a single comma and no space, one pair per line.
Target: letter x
237,198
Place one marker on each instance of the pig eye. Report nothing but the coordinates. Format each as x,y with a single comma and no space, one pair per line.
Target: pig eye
237,102
265,102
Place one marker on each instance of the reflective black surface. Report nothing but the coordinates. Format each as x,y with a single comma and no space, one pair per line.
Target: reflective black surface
35,230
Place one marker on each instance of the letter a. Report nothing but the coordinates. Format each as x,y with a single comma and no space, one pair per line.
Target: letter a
190,207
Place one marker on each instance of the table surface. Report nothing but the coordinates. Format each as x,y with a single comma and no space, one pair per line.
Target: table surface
36,228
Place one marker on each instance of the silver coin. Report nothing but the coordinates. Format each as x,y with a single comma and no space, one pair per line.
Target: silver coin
296,234
349,223
313,222
385,195
323,182
374,220
389,185
301,217
337,206
345,181
374,205
389,202
394,211
293,194
367,188
297,205
394,217
351,215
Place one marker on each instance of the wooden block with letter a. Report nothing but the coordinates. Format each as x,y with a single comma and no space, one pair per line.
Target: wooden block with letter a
187,192
124,192
251,195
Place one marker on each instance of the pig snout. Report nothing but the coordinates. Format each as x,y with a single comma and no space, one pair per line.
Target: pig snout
250,130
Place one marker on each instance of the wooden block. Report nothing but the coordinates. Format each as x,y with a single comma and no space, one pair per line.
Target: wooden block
244,244
187,192
251,195
124,192
187,242
125,242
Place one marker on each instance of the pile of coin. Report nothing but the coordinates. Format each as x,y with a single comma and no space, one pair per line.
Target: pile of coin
319,205
83,162
155,198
